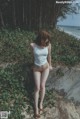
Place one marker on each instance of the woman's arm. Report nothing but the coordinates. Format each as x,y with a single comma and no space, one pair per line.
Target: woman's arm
49,56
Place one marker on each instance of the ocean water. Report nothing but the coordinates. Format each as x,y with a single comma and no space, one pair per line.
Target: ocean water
71,30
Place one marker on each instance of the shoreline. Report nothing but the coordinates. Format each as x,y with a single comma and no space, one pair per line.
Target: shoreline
60,28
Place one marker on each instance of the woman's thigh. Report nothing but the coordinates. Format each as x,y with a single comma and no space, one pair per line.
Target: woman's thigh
44,76
37,77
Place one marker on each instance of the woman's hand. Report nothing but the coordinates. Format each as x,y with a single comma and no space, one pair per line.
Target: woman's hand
50,68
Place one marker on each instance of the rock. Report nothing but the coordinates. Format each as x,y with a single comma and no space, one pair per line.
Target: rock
68,110
63,110
66,81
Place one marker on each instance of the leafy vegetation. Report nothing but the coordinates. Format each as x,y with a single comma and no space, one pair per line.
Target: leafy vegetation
15,47
16,80
65,48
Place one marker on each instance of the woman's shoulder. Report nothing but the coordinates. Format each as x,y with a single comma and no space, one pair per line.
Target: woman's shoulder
32,45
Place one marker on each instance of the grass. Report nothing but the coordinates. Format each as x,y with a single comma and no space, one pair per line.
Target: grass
16,80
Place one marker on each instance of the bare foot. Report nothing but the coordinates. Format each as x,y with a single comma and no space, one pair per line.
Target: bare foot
36,114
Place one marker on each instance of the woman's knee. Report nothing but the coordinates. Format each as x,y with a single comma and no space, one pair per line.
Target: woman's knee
37,89
42,86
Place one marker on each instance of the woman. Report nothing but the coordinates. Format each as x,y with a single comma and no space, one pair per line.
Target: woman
41,50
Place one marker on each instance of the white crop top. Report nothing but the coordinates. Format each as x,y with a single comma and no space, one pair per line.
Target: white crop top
40,55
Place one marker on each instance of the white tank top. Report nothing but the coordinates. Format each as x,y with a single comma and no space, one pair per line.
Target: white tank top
40,55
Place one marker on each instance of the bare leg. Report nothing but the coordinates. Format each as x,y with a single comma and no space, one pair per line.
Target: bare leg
37,76
44,77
